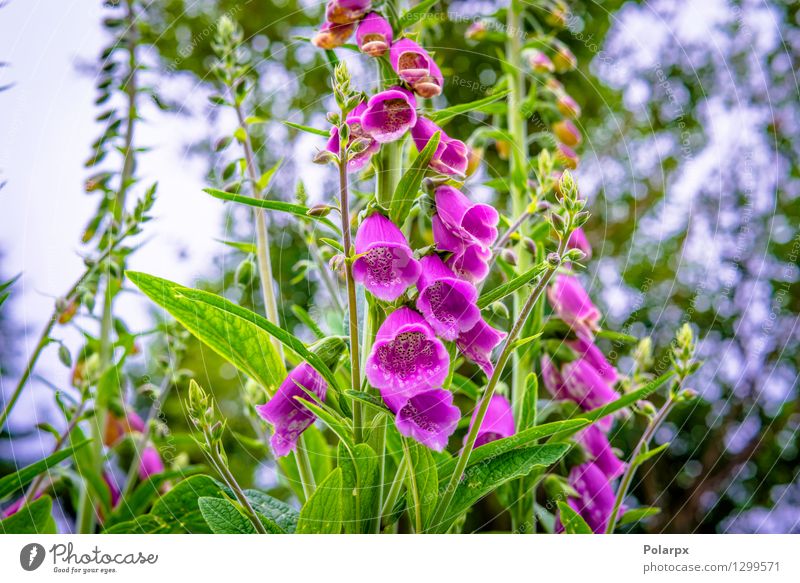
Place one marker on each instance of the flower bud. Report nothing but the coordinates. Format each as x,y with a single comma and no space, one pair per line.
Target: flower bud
553,260
567,133
325,157
245,273
474,160
557,16
500,309
332,35
477,30
539,62
509,256
330,350
564,60
567,156
568,106
574,255
319,210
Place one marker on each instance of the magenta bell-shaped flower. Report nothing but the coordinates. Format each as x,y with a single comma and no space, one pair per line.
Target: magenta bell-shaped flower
346,11
389,114
589,351
150,463
385,264
498,422
332,35
451,156
595,503
598,447
374,35
406,357
477,344
285,414
573,305
428,416
447,302
415,66
465,229
361,159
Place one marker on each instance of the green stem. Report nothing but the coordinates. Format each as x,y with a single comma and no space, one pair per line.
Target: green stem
231,482
418,526
304,468
505,354
630,471
394,490
352,308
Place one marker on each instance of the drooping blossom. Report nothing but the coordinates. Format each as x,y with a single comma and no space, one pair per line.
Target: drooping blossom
113,487
428,416
361,159
477,30
389,114
599,449
589,351
346,11
467,230
498,422
150,463
595,502
414,65
447,302
386,264
374,35
568,106
578,240
567,156
288,417
406,357
567,132
539,62
564,60
117,427
477,344
573,305
332,35
451,156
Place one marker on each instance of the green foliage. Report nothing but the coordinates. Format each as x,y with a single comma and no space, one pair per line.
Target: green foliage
422,484
223,517
408,188
323,512
571,520
21,478
361,487
33,518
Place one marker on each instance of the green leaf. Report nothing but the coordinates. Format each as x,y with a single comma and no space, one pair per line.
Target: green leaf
21,478
646,455
307,129
242,246
361,487
482,478
442,116
265,179
638,514
422,484
413,15
297,210
237,334
223,517
283,515
614,406
617,337
406,192
86,465
322,513
335,423
372,401
33,518
524,438
572,521
510,286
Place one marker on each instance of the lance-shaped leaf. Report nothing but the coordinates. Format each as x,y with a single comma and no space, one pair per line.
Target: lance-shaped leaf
23,477
442,116
572,521
510,286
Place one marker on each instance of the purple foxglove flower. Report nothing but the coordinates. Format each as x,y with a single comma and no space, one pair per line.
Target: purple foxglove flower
406,357
477,344
472,222
415,66
578,240
332,35
347,11
14,507
596,501
498,422
451,156
567,156
598,447
356,131
573,305
285,414
447,302
586,387
469,261
150,463
386,265
428,417
589,351
374,35
389,115
568,106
